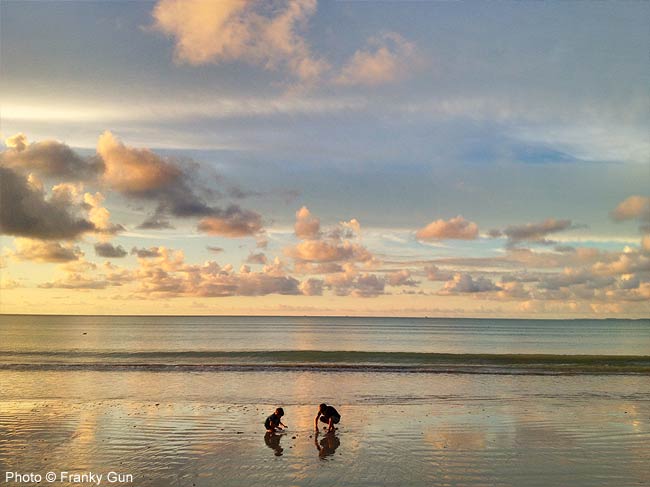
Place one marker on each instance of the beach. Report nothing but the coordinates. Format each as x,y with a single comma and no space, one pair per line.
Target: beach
204,425
396,429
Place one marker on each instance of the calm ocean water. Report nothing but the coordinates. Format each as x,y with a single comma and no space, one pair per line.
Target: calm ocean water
328,343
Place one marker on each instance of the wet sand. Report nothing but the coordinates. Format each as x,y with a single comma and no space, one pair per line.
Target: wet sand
206,429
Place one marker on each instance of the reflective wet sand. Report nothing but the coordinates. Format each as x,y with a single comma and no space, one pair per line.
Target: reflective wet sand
169,428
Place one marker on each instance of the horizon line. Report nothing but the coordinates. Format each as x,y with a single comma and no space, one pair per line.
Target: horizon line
322,316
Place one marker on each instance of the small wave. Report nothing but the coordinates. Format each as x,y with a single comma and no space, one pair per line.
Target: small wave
330,361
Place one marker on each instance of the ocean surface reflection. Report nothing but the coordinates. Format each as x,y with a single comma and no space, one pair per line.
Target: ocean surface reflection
327,445
404,429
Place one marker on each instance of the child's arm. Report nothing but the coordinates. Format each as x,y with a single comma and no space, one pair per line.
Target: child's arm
282,424
331,424
316,421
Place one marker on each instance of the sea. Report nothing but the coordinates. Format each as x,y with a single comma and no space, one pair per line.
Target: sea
400,345
180,400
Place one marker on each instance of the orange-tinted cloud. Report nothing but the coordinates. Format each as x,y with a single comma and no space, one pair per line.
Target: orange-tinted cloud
40,251
464,283
350,282
386,59
634,207
233,30
76,281
312,287
100,216
142,174
434,273
132,170
323,251
167,275
457,228
258,258
307,226
400,278
48,158
232,222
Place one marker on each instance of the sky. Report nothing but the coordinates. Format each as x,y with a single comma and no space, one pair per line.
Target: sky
325,158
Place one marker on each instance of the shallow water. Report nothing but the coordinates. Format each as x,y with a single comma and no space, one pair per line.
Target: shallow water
171,428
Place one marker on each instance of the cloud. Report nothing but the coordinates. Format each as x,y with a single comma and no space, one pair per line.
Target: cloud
574,277
322,251
580,256
302,267
517,258
645,243
312,287
100,216
155,223
76,281
400,278
258,258
307,226
625,263
629,281
115,275
232,222
146,253
457,228
635,207
142,174
535,232
110,251
512,290
368,286
590,277
80,265
231,30
317,247
9,283
48,158
350,282
463,283
25,212
386,59
167,275
84,275
45,252
17,142
352,225
135,171
434,273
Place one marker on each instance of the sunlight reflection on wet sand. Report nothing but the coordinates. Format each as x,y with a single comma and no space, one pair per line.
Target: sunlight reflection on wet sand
179,428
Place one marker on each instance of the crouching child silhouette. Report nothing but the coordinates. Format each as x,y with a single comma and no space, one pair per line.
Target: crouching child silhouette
328,415
273,423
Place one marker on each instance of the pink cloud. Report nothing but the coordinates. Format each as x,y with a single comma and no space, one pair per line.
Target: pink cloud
234,30
457,228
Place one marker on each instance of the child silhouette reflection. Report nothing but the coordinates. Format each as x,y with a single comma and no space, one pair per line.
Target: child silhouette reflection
272,440
327,445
